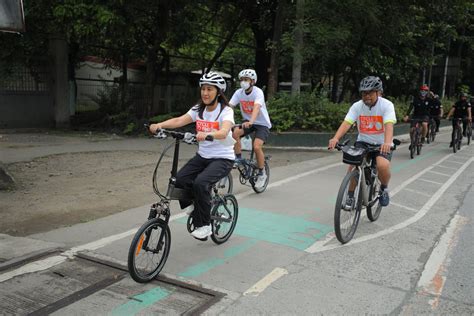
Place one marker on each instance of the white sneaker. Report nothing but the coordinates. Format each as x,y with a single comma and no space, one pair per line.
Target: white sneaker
189,209
202,232
261,181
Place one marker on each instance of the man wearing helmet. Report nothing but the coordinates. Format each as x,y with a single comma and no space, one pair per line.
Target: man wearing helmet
256,119
461,109
375,117
214,159
421,111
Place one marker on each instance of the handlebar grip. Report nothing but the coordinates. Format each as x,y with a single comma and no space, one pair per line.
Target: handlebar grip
210,138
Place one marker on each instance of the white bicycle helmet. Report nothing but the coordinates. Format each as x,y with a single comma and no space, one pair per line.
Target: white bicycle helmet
248,73
214,79
371,83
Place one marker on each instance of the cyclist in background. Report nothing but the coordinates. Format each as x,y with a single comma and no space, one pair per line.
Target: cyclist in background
214,159
256,119
375,117
436,109
461,109
421,111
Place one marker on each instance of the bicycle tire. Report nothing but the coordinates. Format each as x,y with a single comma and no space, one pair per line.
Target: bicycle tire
459,138
225,185
418,142
412,150
468,133
264,187
454,140
428,135
343,235
373,212
433,133
219,215
136,247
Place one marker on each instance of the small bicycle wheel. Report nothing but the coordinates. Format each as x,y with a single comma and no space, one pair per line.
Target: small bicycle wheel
224,216
225,185
346,220
149,250
374,208
260,189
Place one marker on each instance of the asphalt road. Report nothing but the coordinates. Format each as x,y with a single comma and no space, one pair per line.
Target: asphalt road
283,257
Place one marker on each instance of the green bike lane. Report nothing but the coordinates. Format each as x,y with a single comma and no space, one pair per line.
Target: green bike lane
291,222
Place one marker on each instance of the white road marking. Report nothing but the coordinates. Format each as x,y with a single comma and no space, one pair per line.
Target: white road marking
433,277
261,285
430,181
439,173
422,212
403,206
451,168
456,162
417,192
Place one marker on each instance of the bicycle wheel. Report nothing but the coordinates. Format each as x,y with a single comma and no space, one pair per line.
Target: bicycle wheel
412,149
418,142
433,132
459,132
225,185
374,208
224,216
454,140
428,135
265,184
345,221
468,133
149,250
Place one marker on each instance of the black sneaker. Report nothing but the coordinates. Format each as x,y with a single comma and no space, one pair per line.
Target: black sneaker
384,198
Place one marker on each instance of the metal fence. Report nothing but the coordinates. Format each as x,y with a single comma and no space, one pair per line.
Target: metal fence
19,78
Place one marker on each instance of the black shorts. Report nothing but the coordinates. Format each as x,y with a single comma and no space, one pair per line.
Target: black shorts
261,132
377,154
423,118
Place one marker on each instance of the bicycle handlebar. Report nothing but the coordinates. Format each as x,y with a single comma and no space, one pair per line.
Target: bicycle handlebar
370,148
186,137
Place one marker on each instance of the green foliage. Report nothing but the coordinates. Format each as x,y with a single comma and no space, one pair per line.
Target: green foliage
164,117
306,111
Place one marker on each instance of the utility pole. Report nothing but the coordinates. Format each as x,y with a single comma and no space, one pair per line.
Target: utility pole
445,74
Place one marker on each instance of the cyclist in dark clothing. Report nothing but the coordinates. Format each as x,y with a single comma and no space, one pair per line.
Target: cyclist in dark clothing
421,111
436,110
461,109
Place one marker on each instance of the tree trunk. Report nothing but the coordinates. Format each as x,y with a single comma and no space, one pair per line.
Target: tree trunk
275,51
297,54
335,86
124,81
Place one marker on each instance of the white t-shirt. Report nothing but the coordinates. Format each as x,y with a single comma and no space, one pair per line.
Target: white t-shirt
211,123
371,121
247,101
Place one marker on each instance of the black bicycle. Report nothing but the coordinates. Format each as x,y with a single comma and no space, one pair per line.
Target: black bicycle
456,138
363,181
430,137
415,138
248,170
151,244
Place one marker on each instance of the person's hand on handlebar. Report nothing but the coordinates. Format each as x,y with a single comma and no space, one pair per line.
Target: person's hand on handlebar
154,128
385,148
201,136
405,118
332,143
246,124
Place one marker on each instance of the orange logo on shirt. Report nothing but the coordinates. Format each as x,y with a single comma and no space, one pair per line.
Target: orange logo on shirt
247,106
206,126
371,124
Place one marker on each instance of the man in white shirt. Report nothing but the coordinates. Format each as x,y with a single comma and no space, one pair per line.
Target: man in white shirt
375,117
256,119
